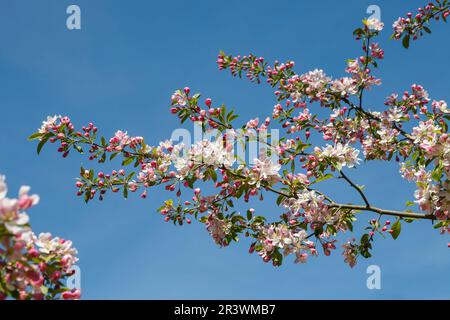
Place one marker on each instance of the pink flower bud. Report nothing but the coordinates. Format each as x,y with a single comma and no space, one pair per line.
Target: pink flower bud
56,275
33,252
71,295
42,266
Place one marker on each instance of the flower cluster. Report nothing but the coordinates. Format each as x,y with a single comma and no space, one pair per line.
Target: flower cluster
31,267
275,238
408,129
374,24
217,228
414,25
430,196
339,155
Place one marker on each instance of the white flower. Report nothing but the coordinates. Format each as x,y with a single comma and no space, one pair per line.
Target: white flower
47,124
179,98
316,78
344,155
211,153
217,228
393,114
441,105
15,222
266,169
60,247
399,26
280,236
167,144
18,225
203,152
374,24
344,86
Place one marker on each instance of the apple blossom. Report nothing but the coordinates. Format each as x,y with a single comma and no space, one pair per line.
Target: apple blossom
31,267
374,24
408,130
413,26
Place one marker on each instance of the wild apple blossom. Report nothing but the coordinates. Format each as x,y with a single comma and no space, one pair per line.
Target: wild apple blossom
374,24
31,267
315,146
342,155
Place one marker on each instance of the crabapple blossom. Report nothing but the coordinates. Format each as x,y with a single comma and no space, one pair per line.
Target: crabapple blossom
327,129
374,24
342,155
414,25
31,267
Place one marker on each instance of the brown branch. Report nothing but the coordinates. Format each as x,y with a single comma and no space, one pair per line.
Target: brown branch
363,196
401,214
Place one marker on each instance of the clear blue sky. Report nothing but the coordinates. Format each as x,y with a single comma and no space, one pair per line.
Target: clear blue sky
119,72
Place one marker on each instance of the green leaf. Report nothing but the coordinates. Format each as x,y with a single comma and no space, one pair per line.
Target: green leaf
34,136
410,203
405,41
113,155
127,161
439,225
280,199
78,148
130,176
437,173
87,196
396,229
323,178
213,175
249,215
41,145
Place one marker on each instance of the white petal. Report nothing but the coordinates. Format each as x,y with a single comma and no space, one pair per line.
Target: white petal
24,190
3,187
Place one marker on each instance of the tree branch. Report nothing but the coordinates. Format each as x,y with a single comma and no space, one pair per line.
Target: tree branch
401,214
363,196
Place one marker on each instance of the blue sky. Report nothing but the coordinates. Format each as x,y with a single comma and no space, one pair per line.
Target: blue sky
119,72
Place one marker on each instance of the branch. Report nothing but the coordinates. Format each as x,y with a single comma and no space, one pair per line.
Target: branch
363,196
401,214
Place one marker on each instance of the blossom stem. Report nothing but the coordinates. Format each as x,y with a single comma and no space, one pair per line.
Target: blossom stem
401,214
